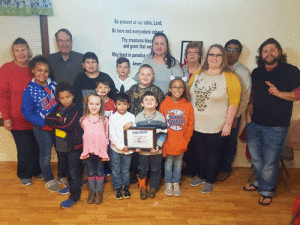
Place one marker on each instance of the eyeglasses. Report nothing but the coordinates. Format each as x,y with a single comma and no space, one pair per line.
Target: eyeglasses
192,53
64,41
177,88
215,55
233,50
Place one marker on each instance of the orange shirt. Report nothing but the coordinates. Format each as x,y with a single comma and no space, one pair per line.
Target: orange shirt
180,121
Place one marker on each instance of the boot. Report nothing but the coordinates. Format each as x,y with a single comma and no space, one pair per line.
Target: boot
99,190
99,197
92,193
143,188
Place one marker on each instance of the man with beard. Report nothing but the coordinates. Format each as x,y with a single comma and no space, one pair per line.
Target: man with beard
233,50
275,85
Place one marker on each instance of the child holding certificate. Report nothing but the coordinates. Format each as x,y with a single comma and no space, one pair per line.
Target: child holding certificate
150,118
179,115
120,155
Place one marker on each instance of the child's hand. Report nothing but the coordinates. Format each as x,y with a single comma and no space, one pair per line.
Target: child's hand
127,125
80,121
105,159
125,149
138,150
65,119
155,150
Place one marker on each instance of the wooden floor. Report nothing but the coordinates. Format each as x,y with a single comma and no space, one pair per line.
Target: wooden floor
227,204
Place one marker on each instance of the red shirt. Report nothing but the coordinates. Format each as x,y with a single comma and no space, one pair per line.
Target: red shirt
14,79
110,108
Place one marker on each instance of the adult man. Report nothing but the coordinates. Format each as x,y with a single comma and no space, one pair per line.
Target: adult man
65,64
233,50
275,85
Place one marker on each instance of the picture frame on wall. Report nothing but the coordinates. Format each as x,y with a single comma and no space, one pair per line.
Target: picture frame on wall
183,47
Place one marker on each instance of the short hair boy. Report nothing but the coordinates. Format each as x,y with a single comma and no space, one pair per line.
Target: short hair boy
103,89
68,132
120,156
146,78
123,82
85,82
151,118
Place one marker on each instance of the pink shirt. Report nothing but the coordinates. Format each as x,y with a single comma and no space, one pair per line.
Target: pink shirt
95,139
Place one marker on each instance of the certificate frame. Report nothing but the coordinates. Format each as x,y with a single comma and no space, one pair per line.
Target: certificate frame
133,135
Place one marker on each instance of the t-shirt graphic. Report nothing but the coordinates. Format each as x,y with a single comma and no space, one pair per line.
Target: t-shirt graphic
175,119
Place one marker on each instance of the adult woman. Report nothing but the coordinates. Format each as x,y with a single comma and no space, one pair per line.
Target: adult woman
164,65
15,77
193,53
215,95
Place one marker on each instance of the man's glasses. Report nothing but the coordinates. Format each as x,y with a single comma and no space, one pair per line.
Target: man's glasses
233,50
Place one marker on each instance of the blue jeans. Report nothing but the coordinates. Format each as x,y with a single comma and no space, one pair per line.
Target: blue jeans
74,170
266,145
44,139
120,165
94,166
173,174
155,168
28,154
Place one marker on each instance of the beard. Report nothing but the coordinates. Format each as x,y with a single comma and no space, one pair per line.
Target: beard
273,61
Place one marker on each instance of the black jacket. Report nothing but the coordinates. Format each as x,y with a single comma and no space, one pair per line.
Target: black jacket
68,122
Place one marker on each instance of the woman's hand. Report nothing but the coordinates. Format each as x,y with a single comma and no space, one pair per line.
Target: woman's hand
226,130
7,125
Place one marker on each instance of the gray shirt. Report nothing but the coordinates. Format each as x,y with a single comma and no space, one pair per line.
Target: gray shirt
162,75
65,70
243,74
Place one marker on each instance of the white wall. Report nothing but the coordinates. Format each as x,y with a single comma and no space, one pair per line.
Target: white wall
210,21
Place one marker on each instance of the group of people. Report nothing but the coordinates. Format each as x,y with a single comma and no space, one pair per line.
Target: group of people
196,110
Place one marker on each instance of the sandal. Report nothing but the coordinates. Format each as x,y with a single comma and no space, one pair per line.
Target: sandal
245,188
263,200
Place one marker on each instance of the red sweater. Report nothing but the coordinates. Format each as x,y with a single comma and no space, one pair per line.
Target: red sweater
14,79
180,121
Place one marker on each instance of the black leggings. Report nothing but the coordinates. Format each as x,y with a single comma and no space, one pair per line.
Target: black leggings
209,148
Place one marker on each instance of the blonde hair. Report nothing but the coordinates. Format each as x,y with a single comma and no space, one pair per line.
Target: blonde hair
86,110
223,66
21,41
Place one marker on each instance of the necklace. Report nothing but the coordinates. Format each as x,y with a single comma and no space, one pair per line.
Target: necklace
94,122
150,118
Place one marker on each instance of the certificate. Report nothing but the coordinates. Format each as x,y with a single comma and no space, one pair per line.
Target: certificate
142,138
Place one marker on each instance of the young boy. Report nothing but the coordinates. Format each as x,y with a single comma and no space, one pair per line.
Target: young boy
151,118
122,81
120,156
68,132
85,83
146,77
103,90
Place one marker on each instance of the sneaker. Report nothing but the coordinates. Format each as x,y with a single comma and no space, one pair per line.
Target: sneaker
126,193
52,186
177,191
118,194
168,189
134,179
107,172
63,180
223,176
207,188
26,182
64,191
40,177
67,204
152,193
196,182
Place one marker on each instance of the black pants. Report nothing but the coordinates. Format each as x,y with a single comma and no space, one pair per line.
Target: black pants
209,149
27,153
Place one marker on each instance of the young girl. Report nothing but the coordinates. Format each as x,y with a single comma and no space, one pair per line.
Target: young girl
37,102
179,115
95,142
